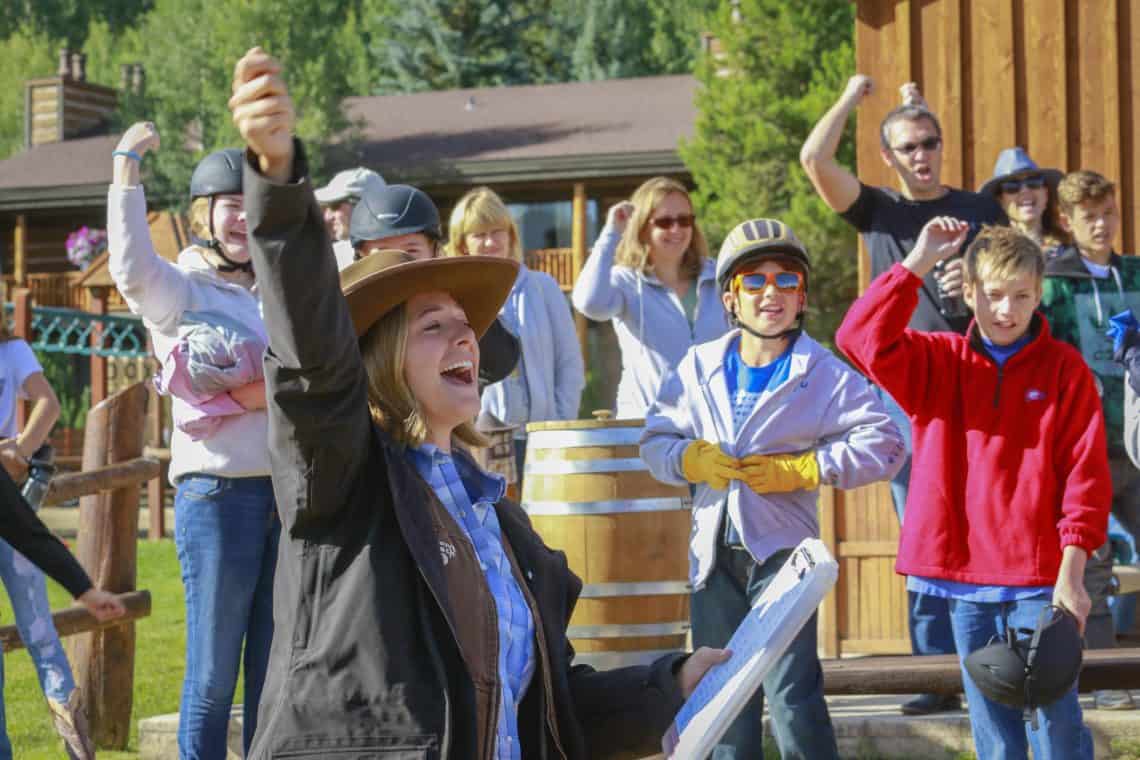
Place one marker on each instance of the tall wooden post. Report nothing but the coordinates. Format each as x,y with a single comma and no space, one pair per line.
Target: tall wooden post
156,487
97,304
103,661
19,250
578,246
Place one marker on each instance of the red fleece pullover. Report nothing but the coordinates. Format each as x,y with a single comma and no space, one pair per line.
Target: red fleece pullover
1009,464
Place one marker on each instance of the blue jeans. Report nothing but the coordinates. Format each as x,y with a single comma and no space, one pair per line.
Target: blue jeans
928,616
27,589
794,686
226,532
1001,732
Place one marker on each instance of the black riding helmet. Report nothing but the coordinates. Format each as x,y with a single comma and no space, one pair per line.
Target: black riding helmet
218,174
1033,669
392,211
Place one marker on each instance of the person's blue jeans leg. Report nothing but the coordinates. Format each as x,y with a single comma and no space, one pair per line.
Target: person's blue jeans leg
225,528
716,610
1001,732
928,617
5,743
794,685
27,589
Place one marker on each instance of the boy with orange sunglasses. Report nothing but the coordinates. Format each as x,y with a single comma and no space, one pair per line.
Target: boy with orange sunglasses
756,421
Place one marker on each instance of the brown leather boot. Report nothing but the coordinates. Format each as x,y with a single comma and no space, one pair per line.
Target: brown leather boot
71,724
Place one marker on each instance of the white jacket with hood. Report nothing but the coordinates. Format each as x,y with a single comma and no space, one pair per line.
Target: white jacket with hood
649,319
822,405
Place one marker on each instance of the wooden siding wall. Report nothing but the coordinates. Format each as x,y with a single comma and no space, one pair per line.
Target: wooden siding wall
1054,76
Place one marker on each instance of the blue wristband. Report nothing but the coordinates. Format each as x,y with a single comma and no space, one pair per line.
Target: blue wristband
128,154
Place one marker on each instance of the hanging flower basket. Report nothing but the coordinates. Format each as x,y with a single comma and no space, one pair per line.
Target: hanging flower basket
84,245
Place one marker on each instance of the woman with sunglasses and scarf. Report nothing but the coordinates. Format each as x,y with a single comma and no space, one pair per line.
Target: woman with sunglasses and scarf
1028,195
651,274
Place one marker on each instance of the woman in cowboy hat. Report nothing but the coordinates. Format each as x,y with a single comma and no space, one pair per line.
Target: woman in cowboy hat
1028,196
419,613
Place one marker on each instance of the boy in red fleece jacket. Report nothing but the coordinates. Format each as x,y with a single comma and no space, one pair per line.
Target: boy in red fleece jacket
1010,488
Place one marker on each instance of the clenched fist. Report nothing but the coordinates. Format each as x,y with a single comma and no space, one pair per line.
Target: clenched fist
263,112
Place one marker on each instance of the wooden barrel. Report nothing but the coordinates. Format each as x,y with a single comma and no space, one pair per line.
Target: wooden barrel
625,535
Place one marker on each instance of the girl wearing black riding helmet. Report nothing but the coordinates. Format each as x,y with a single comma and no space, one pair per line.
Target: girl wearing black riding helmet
203,314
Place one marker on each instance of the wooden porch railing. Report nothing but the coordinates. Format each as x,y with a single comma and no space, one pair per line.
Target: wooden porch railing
60,289
556,262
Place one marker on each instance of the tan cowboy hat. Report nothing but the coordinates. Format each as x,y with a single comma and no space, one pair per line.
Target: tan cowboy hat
378,283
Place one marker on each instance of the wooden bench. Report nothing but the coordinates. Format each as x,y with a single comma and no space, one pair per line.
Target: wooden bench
941,674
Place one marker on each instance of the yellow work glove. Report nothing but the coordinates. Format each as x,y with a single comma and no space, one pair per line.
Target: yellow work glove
780,473
704,462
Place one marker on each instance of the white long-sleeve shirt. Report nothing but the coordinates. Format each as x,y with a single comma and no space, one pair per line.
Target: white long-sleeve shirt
160,293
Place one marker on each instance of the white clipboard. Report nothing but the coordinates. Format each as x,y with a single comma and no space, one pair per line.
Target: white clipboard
760,640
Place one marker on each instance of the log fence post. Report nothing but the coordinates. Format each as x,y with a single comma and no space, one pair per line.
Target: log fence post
103,661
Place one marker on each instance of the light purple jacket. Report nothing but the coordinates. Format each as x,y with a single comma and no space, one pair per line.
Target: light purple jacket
822,405
652,329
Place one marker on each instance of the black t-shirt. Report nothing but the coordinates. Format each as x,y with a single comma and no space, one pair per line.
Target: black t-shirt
890,225
21,528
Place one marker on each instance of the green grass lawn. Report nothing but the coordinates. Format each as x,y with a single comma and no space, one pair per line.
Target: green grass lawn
161,640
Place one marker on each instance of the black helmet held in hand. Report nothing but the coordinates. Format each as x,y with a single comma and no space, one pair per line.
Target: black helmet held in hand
217,174
392,211
1033,669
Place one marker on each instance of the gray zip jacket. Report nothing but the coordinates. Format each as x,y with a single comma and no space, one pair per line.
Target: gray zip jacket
652,329
823,405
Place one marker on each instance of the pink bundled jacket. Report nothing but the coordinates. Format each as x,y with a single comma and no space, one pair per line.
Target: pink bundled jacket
213,355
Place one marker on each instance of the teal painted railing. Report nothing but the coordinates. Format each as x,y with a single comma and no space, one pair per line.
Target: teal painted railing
69,331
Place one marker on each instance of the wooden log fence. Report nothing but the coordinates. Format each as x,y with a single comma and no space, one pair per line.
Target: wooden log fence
103,659
108,478
74,620
941,674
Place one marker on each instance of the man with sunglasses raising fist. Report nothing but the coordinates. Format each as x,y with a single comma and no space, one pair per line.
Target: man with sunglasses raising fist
889,221
755,421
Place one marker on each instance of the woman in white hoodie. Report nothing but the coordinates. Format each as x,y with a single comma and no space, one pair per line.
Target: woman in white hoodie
651,274
204,319
547,382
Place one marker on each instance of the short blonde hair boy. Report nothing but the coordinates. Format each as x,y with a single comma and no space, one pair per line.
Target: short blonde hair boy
480,210
1002,253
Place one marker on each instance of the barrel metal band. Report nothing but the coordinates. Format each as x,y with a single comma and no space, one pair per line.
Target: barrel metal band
571,439
579,466
658,588
612,660
627,631
606,507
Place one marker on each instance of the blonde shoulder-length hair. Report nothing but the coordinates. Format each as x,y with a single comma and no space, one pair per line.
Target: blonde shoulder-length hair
480,210
390,400
633,249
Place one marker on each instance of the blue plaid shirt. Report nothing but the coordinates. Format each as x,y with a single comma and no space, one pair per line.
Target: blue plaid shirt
469,495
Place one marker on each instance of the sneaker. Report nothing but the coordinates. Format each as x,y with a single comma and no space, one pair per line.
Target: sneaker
71,725
1113,699
928,704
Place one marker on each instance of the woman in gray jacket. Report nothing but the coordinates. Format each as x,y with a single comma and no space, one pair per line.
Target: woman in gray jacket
651,274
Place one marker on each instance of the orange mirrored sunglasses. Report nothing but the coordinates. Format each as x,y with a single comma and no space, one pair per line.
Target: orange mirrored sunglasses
756,282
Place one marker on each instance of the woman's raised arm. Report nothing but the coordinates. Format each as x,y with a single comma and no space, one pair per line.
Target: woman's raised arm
316,386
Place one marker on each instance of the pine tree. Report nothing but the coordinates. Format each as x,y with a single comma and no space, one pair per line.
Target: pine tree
455,44
782,66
